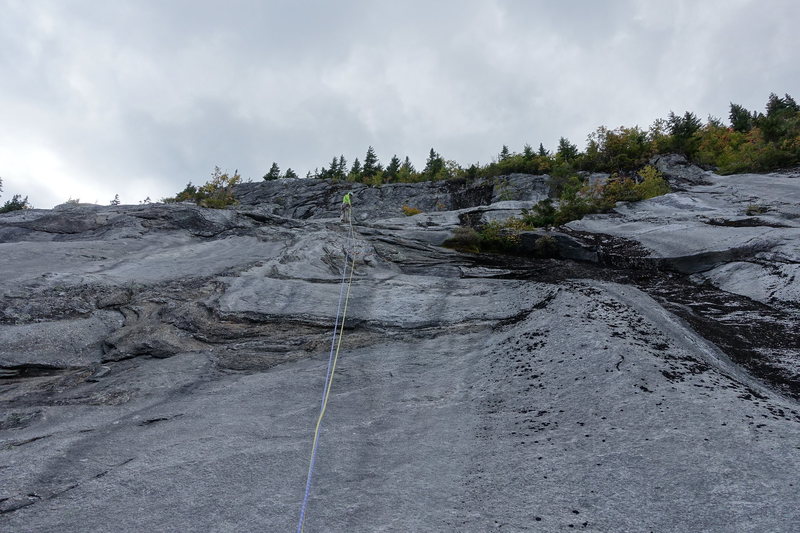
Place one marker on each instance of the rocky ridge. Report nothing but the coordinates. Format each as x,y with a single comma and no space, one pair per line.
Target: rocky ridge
161,365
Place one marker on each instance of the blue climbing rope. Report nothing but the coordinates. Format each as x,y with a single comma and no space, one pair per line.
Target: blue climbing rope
338,329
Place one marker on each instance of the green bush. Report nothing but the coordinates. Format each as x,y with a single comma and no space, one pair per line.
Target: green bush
540,215
498,237
216,193
653,183
16,203
579,199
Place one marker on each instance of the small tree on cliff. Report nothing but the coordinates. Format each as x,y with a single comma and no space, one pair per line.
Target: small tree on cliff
274,172
390,174
371,164
566,150
434,166
355,171
16,203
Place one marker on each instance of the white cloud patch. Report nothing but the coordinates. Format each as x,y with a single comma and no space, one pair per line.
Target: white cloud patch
138,98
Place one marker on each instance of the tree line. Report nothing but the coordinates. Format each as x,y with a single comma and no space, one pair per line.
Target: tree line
751,142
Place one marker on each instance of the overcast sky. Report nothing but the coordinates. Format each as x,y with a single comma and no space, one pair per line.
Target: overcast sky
139,97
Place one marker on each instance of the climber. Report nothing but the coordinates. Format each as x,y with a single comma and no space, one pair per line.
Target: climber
347,206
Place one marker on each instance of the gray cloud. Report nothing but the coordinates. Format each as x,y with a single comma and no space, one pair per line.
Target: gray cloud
138,98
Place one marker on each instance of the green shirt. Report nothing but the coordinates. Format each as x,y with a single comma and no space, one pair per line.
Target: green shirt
346,199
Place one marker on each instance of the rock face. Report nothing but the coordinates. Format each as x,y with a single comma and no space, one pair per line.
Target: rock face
161,366
679,172
304,199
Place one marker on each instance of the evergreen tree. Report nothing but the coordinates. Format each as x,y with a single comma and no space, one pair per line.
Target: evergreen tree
115,201
781,120
407,172
776,105
527,152
390,174
566,150
683,127
504,153
341,172
332,171
371,164
274,172
682,130
355,171
741,119
16,203
472,173
542,152
433,166
290,174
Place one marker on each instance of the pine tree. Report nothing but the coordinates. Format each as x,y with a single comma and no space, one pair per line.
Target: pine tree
274,172
332,170
390,174
504,153
780,121
290,174
685,126
341,172
775,104
371,164
407,165
741,119
407,172
433,166
115,201
527,151
566,150
682,130
355,171
542,152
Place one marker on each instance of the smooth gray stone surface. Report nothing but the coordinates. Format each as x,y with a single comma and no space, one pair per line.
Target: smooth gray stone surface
705,230
161,369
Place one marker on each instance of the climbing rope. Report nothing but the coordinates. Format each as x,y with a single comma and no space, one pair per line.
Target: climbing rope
336,345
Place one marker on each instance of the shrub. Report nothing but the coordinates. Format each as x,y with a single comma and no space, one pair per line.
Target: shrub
410,211
540,215
653,183
545,246
16,203
755,209
498,237
464,239
216,193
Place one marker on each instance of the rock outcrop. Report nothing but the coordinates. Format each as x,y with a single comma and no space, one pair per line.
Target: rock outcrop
307,199
161,366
